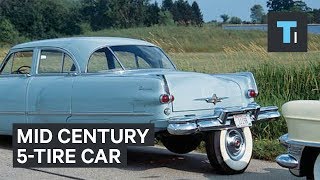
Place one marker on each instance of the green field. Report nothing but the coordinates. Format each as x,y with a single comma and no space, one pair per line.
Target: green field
281,77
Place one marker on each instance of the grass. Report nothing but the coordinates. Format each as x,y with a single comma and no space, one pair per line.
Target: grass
281,77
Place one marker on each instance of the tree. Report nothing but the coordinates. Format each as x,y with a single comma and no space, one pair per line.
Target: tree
165,18
95,12
37,19
280,5
152,15
182,12
316,16
291,6
128,13
167,5
196,13
257,13
235,20
224,18
300,6
8,33
264,19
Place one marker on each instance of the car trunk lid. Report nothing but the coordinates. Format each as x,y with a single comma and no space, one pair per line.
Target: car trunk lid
196,91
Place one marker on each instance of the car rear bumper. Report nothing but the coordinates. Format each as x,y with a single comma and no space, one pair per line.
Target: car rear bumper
221,119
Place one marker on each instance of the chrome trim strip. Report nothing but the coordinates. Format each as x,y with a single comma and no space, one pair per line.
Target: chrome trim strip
111,114
13,112
49,113
77,114
284,139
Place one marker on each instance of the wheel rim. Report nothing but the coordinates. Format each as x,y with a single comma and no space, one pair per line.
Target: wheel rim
235,144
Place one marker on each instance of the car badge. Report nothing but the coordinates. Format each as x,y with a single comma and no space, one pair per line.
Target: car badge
214,99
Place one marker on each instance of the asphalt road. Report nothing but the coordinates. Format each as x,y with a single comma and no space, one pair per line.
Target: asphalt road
143,163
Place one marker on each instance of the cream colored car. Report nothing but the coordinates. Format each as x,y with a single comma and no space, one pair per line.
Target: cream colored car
303,139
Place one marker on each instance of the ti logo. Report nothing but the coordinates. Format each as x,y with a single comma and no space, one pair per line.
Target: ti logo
287,32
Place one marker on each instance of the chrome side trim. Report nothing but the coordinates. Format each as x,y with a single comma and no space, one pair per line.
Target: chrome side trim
111,114
222,118
284,140
13,112
49,113
76,114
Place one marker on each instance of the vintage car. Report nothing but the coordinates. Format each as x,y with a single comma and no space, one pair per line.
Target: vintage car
120,80
303,139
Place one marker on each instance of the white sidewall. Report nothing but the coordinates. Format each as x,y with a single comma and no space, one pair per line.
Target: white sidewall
244,161
316,169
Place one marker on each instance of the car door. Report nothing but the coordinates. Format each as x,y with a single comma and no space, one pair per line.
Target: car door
49,91
101,95
14,78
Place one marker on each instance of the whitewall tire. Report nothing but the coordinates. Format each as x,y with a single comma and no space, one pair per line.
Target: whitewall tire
316,168
229,151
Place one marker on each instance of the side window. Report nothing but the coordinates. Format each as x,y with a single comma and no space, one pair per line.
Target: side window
142,64
102,60
8,66
18,63
127,59
97,62
131,60
53,61
68,65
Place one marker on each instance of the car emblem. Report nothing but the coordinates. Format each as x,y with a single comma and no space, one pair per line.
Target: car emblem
214,99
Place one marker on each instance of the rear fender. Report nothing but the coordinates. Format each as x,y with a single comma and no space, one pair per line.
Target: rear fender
246,80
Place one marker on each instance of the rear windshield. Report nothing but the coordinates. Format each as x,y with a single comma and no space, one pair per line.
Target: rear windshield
128,57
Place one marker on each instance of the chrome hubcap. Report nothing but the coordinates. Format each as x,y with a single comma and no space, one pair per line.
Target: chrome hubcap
235,144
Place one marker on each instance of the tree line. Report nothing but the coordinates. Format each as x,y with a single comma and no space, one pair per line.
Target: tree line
294,6
258,16
38,19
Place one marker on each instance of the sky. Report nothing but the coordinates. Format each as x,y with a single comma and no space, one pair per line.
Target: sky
212,9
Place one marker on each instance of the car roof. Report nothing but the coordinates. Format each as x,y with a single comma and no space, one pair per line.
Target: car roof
81,47
88,41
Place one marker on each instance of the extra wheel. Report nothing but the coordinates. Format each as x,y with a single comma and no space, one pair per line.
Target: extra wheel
181,144
229,151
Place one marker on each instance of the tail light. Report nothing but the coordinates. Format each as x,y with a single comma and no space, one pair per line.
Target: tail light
252,93
166,98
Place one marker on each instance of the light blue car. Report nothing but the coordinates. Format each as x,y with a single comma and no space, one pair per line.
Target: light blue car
119,80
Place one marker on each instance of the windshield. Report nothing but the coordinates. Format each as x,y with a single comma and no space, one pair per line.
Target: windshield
142,57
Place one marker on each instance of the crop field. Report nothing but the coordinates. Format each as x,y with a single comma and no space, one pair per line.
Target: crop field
281,77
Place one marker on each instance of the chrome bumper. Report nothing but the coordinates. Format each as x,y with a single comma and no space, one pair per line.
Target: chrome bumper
287,161
292,159
221,119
